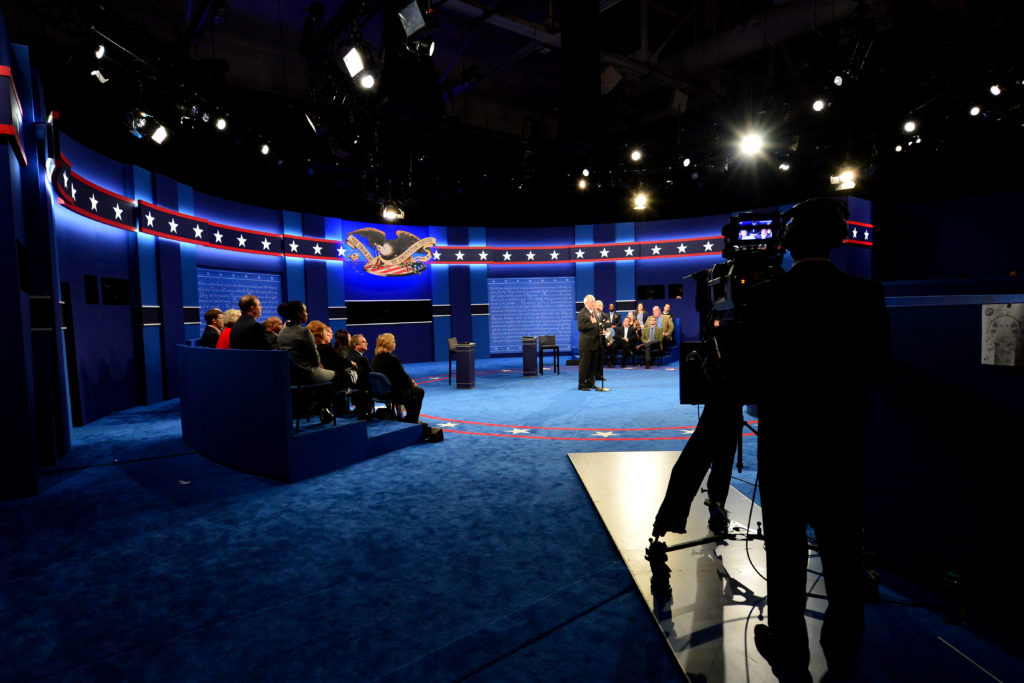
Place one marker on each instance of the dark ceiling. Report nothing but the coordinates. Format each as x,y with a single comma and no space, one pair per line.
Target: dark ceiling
520,96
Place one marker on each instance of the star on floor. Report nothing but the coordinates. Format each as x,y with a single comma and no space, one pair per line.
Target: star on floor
516,430
448,424
605,434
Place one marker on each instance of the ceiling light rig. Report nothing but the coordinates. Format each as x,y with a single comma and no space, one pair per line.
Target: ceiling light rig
640,201
751,144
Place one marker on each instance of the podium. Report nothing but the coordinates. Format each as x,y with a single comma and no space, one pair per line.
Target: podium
529,356
465,365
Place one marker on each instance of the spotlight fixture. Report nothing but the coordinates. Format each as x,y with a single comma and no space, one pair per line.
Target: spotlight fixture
390,211
845,180
995,90
581,183
367,81
975,110
899,148
101,50
586,172
159,135
137,122
818,105
751,144
640,201
838,80
99,75
636,155
417,37
783,166
221,123
265,149
910,126
360,69
686,162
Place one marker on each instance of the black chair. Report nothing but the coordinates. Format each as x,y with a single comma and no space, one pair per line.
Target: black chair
309,399
547,341
380,387
452,343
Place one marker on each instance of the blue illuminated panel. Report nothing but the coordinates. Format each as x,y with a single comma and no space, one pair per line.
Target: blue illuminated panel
530,306
223,288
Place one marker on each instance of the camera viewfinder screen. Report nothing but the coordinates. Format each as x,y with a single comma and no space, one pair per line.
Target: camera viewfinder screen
754,233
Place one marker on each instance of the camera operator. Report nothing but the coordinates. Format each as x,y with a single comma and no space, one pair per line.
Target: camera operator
820,337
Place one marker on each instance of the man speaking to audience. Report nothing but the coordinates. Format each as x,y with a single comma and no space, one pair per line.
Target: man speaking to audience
587,322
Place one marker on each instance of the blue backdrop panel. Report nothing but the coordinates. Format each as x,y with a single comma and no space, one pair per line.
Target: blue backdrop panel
363,286
530,306
223,288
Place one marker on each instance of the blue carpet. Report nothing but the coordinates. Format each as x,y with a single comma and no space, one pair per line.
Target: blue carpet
478,558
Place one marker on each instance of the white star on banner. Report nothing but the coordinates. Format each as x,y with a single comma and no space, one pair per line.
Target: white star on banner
516,430
483,255
217,237
95,202
74,191
855,233
656,249
507,256
681,248
579,253
686,431
605,434
530,255
708,245
241,241
294,247
448,424
197,230
604,253
65,174
341,250
865,235
459,255
554,256
629,251
117,211
437,255
149,219
174,227
266,244
317,249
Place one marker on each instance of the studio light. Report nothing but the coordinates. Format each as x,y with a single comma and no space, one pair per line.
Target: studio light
899,148
818,105
367,81
783,166
975,110
100,51
686,162
359,66
417,37
159,135
640,201
221,123
845,180
581,183
636,155
838,80
391,211
354,62
751,144
586,172
99,75
995,90
265,149
137,122
910,126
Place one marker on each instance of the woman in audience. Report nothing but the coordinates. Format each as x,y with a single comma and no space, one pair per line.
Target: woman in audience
231,317
298,342
402,386
341,341
344,370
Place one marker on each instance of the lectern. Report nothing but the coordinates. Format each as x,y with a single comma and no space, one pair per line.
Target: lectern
465,365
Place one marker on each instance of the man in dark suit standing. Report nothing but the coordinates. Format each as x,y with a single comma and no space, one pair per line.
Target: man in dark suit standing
587,322
817,337
247,332
214,326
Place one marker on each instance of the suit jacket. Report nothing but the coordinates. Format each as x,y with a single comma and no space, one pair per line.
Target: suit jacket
615,318
390,365
629,336
209,338
590,332
362,367
667,325
249,334
297,341
652,333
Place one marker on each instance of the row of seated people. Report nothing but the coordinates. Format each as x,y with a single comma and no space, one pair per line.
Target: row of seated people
316,359
631,338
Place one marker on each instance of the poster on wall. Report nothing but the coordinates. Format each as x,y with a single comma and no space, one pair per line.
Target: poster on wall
1002,334
530,306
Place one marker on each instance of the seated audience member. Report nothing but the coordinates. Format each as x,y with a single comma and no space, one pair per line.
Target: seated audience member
364,400
652,335
613,335
402,386
630,338
248,332
344,369
271,326
341,343
298,342
214,325
668,326
231,317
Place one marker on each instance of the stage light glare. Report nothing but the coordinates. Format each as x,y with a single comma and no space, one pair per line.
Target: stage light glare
581,183
391,212
636,155
309,120
99,76
640,201
899,148
265,149
818,105
159,135
783,166
221,123
975,110
910,126
686,162
367,81
751,144
101,50
838,80
586,172
995,90
353,62
845,180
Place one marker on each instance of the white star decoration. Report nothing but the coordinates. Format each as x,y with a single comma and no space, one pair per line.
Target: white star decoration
65,174
855,233
174,227
448,424
629,251
579,253
707,245
656,249
686,431
217,237
604,253
530,255
507,256
483,255
516,430
149,219
95,202
459,255
554,256
681,248
266,244
866,235
241,241
197,230
117,211
74,191
294,247
317,249
341,251
605,434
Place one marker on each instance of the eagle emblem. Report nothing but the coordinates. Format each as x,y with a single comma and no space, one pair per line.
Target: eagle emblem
406,254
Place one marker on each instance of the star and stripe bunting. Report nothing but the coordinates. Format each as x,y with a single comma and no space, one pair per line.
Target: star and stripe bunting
11,113
97,203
